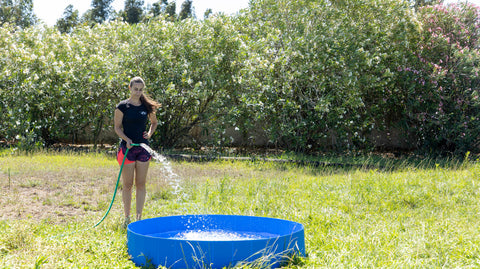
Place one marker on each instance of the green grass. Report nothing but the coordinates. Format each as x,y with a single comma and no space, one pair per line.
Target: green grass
404,214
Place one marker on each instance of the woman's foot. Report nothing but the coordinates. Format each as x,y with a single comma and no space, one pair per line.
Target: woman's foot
126,222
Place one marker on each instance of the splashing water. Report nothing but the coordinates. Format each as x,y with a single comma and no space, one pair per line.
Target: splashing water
199,234
172,178
218,235
212,235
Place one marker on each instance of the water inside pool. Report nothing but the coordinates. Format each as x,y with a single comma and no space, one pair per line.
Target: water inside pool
213,235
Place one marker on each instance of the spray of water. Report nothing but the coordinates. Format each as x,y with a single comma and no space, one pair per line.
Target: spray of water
172,178
216,235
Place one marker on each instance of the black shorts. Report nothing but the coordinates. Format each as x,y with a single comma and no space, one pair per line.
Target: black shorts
134,154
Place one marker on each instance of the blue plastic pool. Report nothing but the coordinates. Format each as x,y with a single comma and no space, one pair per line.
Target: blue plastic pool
214,241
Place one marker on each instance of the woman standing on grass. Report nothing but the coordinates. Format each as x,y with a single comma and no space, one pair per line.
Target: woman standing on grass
131,117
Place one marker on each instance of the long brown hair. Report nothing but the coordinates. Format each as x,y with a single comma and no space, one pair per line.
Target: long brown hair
151,104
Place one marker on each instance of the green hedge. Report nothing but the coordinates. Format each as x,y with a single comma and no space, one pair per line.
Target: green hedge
311,74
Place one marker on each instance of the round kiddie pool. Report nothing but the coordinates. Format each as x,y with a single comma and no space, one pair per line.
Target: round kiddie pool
214,241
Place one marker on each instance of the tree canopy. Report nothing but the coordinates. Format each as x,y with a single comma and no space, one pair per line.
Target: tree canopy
69,20
17,12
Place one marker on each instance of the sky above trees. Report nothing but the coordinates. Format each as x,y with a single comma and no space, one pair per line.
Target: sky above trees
49,11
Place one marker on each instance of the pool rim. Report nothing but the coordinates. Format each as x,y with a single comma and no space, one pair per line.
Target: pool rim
297,227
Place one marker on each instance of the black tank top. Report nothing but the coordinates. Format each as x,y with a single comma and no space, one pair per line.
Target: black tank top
134,121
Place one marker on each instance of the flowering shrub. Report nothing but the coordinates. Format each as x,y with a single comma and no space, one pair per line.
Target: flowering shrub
442,83
61,86
56,86
319,75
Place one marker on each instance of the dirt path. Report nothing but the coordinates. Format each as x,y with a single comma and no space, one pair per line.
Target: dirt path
55,196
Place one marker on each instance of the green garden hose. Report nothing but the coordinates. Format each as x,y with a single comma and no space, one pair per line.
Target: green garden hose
111,203
116,187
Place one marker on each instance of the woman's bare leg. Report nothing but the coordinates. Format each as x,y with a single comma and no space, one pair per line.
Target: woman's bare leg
141,169
127,184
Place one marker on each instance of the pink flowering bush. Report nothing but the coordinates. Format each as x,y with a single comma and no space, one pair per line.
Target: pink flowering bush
441,83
